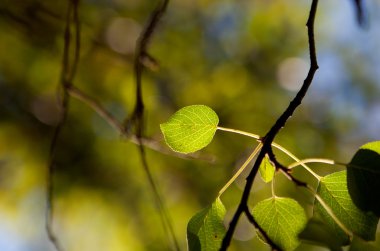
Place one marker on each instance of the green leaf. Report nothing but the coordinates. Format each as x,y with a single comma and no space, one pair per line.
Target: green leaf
363,177
190,128
266,169
333,191
282,219
205,230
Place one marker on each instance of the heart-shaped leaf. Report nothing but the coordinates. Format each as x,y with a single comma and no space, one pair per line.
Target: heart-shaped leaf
205,230
190,128
266,170
363,177
282,219
333,191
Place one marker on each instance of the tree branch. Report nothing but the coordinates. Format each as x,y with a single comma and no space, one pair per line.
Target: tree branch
287,172
67,75
136,120
359,12
280,123
116,125
252,220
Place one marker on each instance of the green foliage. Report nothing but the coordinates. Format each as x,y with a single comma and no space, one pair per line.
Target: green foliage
333,190
282,219
226,54
205,230
190,128
193,127
363,176
317,232
266,170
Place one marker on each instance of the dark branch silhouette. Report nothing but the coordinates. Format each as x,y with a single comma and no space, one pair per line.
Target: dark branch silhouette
141,56
252,220
67,76
280,123
136,120
359,12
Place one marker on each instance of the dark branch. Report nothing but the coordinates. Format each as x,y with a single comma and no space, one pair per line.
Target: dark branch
359,12
67,75
136,120
286,171
77,41
280,123
150,143
252,220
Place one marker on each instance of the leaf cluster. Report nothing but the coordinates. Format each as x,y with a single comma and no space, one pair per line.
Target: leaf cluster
345,210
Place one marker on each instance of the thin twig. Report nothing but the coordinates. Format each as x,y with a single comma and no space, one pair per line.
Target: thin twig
93,104
76,23
280,123
285,170
312,160
67,75
328,209
116,125
251,135
241,169
274,144
136,120
273,185
164,214
252,220
49,178
291,155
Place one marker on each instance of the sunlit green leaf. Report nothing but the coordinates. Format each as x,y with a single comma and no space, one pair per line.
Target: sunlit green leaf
282,219
266,170
190,128
205,230
363,177
333,191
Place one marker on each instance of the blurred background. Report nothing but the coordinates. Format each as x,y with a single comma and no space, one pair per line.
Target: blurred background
246,59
